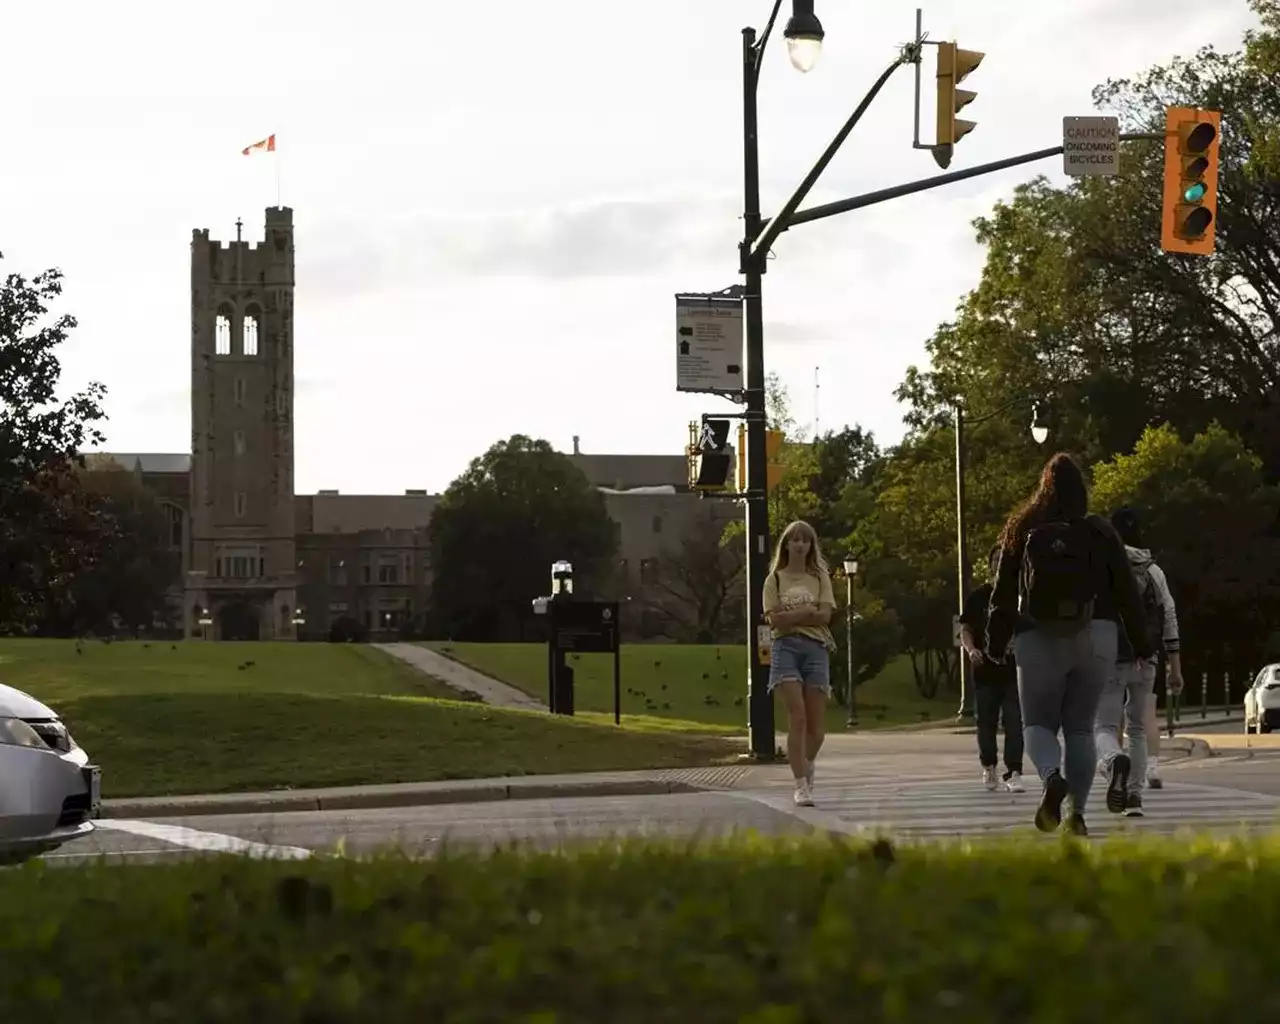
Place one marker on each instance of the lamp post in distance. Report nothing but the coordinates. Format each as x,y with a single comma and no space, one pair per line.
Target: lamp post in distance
850,574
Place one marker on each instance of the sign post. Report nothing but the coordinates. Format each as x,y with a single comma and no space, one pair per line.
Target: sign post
709,344
1091,146
580,626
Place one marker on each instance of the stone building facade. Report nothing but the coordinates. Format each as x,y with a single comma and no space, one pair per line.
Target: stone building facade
261,562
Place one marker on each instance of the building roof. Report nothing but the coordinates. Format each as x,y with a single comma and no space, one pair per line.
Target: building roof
147,462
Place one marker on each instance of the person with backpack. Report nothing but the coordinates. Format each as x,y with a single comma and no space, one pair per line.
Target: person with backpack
1128,773
995,692
1063,584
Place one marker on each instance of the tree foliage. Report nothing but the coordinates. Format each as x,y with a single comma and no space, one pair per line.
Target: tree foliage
51,529
498,528
1078,301
130,579
1210,520
697,593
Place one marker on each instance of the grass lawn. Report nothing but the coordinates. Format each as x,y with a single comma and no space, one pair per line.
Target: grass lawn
690,686
165,718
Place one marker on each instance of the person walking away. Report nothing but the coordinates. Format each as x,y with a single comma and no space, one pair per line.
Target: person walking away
995,692
1062,583
1129,773
798,603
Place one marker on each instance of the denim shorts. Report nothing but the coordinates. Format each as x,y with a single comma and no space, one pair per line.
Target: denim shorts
800,657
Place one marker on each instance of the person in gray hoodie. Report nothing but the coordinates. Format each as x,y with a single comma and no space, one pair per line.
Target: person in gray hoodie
1129,773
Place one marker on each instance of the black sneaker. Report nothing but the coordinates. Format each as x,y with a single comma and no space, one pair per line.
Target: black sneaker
1133,805
1075,825
1049,813
1118,785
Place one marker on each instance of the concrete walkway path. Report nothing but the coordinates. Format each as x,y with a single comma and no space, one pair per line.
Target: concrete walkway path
462,678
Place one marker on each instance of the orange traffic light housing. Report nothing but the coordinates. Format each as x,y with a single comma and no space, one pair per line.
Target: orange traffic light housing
1189,209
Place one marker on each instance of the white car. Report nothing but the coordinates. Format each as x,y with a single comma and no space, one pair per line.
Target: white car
49,792
1262,701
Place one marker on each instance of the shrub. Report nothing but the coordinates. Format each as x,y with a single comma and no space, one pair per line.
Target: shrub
742,930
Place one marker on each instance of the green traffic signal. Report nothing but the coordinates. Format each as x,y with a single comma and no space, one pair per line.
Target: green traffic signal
1195,193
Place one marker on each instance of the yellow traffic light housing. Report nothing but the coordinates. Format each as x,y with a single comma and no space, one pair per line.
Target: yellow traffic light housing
954,66
1189,210
774,470
708,455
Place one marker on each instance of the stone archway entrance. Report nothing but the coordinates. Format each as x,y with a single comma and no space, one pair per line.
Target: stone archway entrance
238,621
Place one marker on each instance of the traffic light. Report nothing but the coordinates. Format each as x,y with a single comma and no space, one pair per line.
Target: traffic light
774,471
954,66
772,447
1189,210
709,458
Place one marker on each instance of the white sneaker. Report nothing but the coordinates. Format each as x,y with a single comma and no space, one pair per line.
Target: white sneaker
803,797
1014,783
989,779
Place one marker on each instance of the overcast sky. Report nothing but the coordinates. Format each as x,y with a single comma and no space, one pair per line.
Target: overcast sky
495,203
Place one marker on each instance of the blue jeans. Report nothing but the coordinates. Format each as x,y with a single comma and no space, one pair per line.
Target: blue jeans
801,658
1060,681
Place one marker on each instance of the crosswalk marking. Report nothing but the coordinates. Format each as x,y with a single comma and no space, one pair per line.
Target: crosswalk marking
932,806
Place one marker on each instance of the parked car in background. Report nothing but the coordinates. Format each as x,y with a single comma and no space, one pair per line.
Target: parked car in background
49,792
1262,701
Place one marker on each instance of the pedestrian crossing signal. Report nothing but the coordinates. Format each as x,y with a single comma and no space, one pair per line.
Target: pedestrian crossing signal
1189,209
709,457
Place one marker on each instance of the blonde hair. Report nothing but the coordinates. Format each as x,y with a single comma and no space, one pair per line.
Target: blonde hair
814,562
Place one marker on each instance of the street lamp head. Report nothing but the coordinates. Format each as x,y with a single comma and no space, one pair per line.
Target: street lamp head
850,566
804,36
1039,432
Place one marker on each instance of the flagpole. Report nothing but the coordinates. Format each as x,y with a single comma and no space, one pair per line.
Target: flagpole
278,203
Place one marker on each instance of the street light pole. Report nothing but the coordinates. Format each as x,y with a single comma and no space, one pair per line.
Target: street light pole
804,34
962,560
1039,434
760,724
851,691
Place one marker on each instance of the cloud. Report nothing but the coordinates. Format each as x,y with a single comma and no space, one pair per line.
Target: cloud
603,237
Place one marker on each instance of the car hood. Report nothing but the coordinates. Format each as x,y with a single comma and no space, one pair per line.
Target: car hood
16,704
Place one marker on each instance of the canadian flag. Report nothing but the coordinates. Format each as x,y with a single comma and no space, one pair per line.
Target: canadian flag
268,145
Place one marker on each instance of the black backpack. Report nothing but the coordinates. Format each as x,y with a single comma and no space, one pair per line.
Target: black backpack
1059,582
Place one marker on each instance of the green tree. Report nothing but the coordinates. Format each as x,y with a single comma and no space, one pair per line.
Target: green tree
907,539
498,528
876,635
1209,518
131,577
698,591
50,528
1078,301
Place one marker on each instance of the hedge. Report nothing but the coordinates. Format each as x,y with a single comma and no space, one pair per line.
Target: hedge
745,930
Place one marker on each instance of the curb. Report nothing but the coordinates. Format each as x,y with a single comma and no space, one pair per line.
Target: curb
410,796
1197,749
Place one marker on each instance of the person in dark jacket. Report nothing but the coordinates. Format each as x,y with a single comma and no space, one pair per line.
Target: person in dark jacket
1063,583
995,691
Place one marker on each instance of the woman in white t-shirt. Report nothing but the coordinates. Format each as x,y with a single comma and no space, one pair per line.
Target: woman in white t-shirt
798,602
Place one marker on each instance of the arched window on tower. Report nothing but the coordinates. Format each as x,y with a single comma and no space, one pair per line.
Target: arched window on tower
222,335
249,332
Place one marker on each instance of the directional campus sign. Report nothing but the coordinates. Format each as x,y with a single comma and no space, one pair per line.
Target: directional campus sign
1090,146
709,344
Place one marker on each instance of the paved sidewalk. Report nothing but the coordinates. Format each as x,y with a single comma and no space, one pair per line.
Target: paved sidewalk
420,794
462,678
846,761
